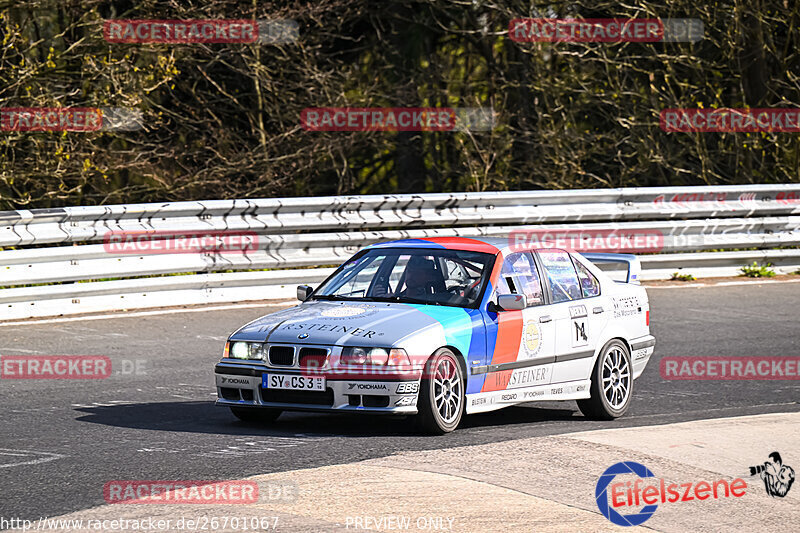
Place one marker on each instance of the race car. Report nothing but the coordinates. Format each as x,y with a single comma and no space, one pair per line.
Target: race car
442,327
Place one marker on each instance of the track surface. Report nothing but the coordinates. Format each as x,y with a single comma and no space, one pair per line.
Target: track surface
163,424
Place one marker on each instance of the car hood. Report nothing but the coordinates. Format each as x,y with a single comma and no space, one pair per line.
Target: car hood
351,324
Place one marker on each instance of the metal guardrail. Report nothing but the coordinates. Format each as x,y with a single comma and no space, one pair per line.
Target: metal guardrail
307,232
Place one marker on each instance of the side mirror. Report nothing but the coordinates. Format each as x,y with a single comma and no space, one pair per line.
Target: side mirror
303,292
512,302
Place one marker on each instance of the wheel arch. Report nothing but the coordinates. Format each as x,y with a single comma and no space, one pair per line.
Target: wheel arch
602,345
612,332
459,357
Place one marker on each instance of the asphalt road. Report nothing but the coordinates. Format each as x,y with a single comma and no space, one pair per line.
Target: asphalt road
62,440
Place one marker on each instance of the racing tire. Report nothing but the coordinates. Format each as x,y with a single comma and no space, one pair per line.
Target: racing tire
612,383
441,394
257,414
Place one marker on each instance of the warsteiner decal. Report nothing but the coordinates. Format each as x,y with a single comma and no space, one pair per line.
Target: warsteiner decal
526,377
348,330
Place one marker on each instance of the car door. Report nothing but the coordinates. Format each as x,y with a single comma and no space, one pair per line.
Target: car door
578,323
597,304
521,343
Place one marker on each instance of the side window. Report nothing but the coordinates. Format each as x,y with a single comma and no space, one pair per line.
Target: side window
589,284
518,275
562,276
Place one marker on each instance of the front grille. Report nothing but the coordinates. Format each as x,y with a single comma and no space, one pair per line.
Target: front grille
313,357
298,396
281,355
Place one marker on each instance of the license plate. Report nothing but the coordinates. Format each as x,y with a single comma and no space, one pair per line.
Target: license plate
286,382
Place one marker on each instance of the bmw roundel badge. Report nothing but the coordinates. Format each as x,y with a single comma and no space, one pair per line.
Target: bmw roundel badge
303,336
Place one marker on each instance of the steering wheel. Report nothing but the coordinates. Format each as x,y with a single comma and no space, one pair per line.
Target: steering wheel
468,292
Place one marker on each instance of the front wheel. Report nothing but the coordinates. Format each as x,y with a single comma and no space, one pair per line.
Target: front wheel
255,414
612,383
441,395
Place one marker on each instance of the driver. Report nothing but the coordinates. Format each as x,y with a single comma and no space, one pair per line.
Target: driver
420,278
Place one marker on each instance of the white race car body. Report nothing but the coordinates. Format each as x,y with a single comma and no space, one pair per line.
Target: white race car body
546,349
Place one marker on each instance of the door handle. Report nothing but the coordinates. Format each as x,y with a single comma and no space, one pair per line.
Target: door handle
545,318
597,310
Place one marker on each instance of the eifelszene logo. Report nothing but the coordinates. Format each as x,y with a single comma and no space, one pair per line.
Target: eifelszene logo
601,494
632,495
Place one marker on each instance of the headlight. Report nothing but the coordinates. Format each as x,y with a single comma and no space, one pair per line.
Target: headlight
239,350
357,355
247,350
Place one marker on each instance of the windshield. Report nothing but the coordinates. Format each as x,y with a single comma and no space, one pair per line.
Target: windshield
436,277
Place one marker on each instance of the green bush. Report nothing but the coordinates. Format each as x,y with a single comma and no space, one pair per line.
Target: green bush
677,276
756,271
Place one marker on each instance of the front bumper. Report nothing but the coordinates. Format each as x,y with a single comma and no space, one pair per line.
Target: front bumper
239,385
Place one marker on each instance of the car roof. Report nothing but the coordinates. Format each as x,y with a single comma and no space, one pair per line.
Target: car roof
490,245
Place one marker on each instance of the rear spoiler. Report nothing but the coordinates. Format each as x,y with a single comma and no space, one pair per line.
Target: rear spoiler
630,261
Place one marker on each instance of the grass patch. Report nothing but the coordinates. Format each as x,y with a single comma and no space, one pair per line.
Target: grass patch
677,276
758,271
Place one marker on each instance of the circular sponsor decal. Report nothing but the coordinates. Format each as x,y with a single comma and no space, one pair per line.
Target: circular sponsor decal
532,338
341,312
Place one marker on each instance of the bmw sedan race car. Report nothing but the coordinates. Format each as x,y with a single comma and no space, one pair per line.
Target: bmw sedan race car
443,327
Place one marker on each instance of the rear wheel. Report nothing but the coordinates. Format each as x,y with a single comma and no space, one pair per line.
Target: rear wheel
612,383
256,414
441,395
